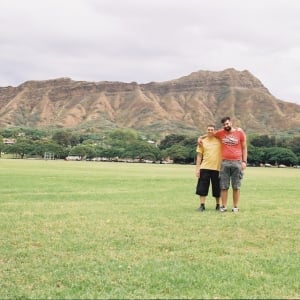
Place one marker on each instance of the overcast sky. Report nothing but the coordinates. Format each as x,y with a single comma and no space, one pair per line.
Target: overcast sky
150,40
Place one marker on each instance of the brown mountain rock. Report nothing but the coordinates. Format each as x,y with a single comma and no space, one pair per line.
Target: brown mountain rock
183,105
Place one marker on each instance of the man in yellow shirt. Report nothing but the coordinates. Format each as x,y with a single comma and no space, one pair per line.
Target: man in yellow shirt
208,167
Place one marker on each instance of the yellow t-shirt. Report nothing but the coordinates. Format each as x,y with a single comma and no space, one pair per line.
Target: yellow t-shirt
211,153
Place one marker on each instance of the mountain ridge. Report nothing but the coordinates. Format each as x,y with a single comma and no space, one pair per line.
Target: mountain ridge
183,105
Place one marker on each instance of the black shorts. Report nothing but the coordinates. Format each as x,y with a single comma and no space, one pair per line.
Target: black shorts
207,176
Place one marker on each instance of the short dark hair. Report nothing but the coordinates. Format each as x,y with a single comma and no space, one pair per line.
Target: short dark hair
225,119
210,125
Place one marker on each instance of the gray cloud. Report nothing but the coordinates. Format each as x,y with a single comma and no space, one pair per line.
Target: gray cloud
150,40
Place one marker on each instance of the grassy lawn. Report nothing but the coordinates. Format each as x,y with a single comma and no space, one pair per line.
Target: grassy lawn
115,230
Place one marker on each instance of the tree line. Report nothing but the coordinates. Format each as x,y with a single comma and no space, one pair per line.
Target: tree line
120,144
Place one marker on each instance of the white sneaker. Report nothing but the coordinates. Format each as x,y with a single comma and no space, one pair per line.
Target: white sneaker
235,209
223,209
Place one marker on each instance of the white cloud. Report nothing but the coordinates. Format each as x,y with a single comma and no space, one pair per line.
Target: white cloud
150,40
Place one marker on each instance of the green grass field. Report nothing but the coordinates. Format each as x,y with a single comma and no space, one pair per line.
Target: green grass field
114,230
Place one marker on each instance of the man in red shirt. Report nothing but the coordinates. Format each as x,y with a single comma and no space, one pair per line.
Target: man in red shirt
234,161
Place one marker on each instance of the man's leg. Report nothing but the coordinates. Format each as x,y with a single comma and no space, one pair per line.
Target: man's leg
202,200
236,197
215,184
202,188
202,204
218,203
224,197
224,183
237,177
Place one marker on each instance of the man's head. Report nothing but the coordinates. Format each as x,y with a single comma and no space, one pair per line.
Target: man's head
226,122
210,130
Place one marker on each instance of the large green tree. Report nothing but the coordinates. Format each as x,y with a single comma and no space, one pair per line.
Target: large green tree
278,155
48,146
171,140
84,151
255,155
263,141
141,149
21,148
178,153
65,138
294,145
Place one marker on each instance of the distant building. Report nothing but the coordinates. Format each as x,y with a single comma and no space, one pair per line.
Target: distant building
9,141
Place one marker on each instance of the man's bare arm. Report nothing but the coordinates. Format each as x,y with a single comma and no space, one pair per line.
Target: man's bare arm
244,153
198,163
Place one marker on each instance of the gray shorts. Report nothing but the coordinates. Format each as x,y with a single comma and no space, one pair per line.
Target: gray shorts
231,170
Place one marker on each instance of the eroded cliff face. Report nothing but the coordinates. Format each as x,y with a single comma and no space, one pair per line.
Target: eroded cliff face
185,104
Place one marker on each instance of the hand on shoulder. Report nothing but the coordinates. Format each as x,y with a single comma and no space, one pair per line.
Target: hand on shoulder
200,139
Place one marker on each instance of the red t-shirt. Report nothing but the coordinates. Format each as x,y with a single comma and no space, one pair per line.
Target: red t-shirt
231,144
